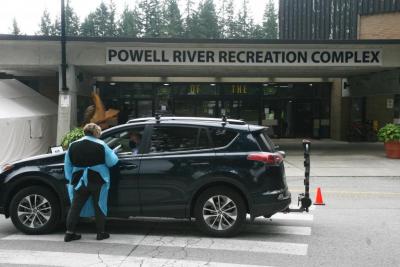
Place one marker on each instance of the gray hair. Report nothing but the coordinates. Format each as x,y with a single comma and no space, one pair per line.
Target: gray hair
92,129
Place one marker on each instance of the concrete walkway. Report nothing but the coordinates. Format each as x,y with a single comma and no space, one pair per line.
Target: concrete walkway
337,158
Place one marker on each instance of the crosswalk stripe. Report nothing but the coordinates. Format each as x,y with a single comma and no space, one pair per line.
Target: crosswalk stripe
229,244
294,216
67,259
277,229
312,207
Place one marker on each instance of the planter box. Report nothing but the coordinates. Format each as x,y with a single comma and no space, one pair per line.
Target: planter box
392,149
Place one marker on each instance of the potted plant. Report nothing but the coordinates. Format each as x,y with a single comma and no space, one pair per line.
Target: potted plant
72,136
390,135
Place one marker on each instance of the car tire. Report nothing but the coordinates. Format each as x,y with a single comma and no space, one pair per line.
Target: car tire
220,211
35,210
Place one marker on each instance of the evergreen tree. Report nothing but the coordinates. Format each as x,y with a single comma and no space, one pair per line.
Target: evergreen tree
258,32
244,24
208,20
193,26
152,17
101,18
270,21
130,23
101,22
111,28
45,24
190,21
230,21
15,28
222,17
55,29
173,24
71,21
88,27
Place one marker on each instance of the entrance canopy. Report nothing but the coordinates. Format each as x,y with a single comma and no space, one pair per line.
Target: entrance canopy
108,58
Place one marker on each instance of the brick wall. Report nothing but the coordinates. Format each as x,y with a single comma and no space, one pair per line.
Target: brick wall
379,26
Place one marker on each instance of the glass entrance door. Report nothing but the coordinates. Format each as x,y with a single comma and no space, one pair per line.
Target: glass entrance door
195,107
144,108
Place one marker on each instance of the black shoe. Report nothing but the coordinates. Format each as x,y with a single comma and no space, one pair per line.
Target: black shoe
103,235
71,237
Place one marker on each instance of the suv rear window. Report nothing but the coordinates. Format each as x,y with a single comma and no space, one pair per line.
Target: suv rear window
178,138
264,141
222,137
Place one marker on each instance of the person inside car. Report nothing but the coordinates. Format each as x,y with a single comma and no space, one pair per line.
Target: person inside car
134,141
87,164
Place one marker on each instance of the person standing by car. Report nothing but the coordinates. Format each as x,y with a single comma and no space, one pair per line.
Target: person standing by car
87,164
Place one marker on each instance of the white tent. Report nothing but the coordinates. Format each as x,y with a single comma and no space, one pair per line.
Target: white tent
28,121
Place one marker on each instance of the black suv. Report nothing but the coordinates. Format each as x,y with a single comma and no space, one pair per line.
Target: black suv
215,170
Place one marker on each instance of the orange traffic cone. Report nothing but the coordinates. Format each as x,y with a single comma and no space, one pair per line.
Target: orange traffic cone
318,198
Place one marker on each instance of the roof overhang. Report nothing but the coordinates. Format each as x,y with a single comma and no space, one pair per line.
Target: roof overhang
40,56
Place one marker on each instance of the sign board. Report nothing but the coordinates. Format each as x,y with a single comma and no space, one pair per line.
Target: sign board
345,88
389,103
56,149
65,101
243,57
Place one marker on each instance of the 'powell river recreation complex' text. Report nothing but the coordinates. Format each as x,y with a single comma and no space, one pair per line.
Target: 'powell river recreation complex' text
194,56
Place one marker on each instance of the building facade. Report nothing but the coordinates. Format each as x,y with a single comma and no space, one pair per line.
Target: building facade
372,97
338,19
297,88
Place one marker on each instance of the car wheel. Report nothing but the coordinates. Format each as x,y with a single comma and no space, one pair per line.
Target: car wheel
35,210
220,211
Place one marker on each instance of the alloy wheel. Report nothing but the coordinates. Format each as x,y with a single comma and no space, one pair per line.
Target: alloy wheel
220,212
34,211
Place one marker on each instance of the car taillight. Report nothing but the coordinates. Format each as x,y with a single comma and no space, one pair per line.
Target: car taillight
270,158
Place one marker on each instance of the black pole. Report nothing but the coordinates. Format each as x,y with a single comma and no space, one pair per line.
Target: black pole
63,50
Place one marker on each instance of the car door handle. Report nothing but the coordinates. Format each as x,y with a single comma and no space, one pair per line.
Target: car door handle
199,163
128,166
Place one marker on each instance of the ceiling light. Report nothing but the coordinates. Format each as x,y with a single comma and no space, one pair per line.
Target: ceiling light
112,84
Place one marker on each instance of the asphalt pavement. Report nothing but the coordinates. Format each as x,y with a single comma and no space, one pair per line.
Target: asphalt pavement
358,226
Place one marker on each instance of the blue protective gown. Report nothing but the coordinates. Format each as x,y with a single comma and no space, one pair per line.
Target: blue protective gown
111,159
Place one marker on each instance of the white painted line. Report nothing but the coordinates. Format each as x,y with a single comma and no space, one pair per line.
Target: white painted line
229,244
67,259
264,226
293,216
312,207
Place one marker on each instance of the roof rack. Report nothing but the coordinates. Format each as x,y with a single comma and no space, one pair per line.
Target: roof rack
198,119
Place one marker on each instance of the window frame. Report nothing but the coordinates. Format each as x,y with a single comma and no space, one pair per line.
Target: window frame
216,148
151,130
127,128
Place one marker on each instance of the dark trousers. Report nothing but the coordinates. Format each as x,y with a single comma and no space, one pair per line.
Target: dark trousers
80,197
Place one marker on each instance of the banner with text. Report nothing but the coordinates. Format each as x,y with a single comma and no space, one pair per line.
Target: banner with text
243,57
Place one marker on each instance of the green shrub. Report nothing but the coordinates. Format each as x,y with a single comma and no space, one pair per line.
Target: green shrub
72,136
390,132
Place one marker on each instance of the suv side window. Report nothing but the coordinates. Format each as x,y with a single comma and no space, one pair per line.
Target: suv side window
222,137
178,138
127,141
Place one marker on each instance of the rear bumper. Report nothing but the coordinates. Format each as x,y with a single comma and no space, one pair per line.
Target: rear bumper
269,203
